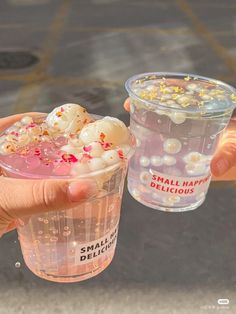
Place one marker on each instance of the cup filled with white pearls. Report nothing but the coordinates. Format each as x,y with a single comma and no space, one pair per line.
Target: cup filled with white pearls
177,120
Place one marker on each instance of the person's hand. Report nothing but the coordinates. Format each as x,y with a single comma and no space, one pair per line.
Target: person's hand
223,165
20,198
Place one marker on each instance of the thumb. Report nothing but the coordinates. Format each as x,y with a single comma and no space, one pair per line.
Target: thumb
19,198
224,159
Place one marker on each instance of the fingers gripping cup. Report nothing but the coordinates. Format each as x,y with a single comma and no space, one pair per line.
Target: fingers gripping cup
177,120
76,243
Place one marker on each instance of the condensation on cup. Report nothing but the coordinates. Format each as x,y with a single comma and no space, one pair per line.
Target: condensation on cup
178,120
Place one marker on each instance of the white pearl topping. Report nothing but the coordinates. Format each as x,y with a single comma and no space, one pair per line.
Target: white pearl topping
172,146
144,161
169,160
156,161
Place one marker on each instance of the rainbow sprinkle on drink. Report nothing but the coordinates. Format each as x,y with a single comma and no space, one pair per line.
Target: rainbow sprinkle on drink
67,142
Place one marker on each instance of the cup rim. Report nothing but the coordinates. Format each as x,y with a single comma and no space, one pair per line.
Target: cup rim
133,78
81,176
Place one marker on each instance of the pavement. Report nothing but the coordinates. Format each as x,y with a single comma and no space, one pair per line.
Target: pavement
52,52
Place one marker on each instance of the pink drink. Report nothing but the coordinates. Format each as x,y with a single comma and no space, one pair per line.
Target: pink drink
176,138
76,243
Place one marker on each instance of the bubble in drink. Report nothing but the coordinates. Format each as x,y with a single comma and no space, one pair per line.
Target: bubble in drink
178,120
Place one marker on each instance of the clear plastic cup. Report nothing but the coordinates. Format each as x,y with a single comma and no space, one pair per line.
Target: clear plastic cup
177,120
76,243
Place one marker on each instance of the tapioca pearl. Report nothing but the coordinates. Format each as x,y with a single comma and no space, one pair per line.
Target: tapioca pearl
192,87
144,161
193,157
195,169
182,100
172,146
96,149
110,157
156,161
200,196
177,117
7,148
151,88
70,149
206,97
79,168
169,160
144,176
96,164
26,120
23,139
75,142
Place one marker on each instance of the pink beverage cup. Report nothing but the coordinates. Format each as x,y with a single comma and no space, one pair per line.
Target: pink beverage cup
76,243
178,120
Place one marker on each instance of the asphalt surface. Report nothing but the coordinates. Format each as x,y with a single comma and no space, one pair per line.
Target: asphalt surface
83,51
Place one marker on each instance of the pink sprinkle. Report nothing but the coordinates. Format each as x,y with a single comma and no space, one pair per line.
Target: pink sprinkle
37,152
106,145
62,109
31,125
69,158
85,158
87,149
14,133
121,154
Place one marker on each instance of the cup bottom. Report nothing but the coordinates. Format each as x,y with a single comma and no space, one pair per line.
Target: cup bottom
72,278
167,208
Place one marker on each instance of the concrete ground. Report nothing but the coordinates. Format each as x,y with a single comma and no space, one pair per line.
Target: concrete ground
83,51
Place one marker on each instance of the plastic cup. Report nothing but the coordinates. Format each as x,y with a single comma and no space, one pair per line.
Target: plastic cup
76,243
178,120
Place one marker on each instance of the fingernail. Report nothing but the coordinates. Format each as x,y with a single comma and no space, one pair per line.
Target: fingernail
78,191
222,166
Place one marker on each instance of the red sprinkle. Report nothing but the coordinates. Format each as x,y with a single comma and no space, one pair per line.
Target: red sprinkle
102,136
85,158
62,109
121,154
14,133
87,149
106,145
37,152
31,125
69,158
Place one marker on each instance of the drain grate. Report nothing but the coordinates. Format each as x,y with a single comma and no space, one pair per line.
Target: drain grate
12,60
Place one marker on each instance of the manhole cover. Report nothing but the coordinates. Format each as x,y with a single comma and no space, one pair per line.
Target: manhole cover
12,60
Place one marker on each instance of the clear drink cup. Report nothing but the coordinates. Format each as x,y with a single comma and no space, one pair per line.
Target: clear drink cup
76,243
178,120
